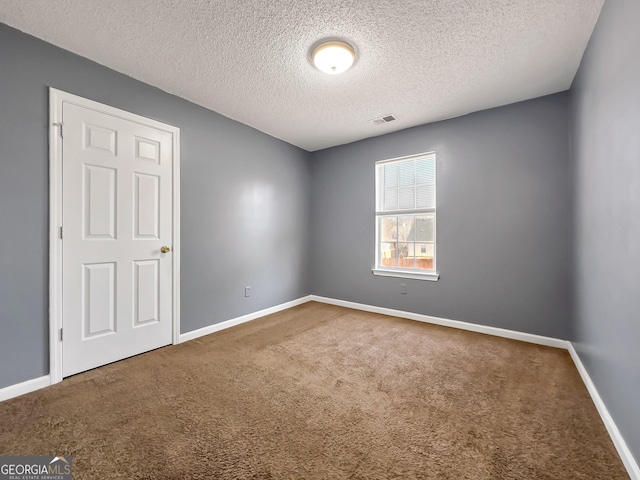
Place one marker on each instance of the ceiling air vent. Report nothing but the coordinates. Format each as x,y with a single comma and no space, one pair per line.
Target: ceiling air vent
383,120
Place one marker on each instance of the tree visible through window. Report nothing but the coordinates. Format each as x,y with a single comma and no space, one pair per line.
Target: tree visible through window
406,214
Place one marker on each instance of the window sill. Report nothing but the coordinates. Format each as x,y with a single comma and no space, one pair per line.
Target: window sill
430,276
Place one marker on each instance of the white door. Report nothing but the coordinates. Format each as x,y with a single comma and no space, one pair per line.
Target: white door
117,217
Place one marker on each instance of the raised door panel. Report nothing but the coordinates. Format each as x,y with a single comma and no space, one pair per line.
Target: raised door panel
146,206
99,299
100,138
99,202
148,150
146,292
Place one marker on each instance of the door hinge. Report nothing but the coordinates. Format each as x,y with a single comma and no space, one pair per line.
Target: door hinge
61,233
61,125
60,334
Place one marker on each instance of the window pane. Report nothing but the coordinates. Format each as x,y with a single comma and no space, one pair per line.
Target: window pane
426,196
388,229
406,230
406,238
391,199
424,256
426,170
388,255
424,228
406,173
405,255
390,175
407,198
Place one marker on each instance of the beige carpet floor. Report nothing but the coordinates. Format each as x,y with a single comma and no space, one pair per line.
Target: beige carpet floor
323,392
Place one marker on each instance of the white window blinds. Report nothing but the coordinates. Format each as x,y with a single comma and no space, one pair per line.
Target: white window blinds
407,184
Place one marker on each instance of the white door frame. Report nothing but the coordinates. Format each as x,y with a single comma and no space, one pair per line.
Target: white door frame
56,99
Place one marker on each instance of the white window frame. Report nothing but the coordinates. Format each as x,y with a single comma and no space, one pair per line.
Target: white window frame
403,272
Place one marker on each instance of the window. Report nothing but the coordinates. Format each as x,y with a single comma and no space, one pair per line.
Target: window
406,217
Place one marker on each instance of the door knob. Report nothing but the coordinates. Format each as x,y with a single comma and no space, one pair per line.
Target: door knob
165,249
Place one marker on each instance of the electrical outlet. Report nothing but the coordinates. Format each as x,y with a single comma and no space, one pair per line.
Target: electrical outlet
403,288
247,291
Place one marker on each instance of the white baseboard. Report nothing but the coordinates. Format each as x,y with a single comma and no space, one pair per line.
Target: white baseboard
185,337
24,387
41,382
472,327
621,446
623,450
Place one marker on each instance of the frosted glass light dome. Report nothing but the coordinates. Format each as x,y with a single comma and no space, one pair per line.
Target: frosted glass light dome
333,57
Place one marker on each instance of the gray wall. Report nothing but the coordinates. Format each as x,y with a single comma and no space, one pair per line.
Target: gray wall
504,219
244,201
606,109
504,196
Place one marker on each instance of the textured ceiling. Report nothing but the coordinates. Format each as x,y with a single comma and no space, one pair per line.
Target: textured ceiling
422,60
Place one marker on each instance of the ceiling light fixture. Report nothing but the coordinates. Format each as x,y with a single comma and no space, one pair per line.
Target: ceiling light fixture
333,57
